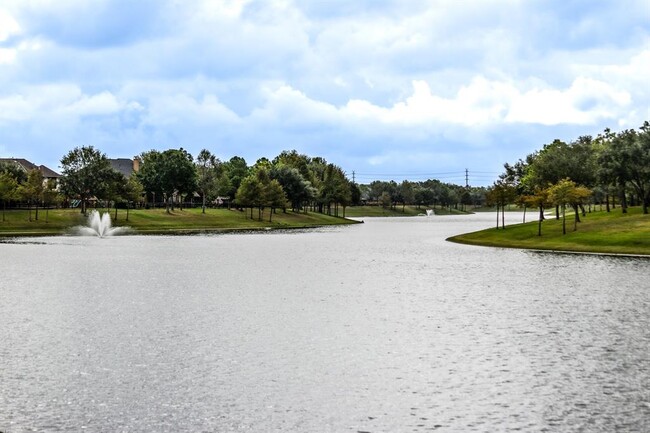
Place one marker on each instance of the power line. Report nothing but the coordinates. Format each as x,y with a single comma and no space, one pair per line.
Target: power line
467,175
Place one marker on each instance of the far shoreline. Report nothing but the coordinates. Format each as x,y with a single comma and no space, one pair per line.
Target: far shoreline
600,233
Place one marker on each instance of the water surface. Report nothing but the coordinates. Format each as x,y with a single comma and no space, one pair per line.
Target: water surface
377,327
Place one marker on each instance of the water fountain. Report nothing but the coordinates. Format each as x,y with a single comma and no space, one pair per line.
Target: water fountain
430,212
99,225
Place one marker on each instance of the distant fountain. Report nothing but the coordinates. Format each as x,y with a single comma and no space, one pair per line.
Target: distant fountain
430,212
99,225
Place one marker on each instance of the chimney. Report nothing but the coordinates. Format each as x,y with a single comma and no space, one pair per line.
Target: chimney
136,164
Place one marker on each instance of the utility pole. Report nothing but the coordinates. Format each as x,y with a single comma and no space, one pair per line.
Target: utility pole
353,177
466,178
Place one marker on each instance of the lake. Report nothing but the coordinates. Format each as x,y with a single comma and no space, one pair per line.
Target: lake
376,327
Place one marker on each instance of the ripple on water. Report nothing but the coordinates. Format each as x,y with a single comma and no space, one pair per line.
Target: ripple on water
378,327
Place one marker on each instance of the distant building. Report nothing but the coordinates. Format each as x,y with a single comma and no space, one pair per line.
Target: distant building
125,166
27,166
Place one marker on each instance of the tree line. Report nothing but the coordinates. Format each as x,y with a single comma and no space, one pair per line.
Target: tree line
173,177
607,169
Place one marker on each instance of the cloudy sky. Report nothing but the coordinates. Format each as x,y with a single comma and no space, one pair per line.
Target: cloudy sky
389,89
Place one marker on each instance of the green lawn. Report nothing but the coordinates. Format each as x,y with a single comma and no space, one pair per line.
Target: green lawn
600,232
60,221
379,211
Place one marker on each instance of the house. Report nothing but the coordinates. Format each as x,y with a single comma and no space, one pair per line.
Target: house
27,166
126,166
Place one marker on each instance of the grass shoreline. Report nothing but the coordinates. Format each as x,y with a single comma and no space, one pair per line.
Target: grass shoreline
61,222
600,232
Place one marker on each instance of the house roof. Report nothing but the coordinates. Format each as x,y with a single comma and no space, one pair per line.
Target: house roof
122,165
47,172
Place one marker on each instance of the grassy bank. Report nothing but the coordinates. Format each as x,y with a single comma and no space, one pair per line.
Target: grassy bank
379,211
61,221
599,232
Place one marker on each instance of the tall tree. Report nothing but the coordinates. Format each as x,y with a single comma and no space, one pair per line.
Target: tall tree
501,194
567,192
32,190
171,172
132,193
249,193
539,199
207,170
274,196
296,187
235,170
84,171
8,190
50,196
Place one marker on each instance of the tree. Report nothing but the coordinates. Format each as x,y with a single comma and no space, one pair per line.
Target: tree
559,160
501,194
8,190
32,190
14,170
50,196
406,193
539,199
568,192
298,190
334,189
294,160
640,168
115,191
274,196
207,169
132,193
168,173
235,169
84,171
249,193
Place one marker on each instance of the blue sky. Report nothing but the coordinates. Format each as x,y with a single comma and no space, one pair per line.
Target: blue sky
389,89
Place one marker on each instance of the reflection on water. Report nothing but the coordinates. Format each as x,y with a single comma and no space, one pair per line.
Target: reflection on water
378,327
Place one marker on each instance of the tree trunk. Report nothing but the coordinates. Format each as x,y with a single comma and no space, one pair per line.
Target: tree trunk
622,198
497,216
539,227
563,219
576,211
557,212
503,216
203,203
524,214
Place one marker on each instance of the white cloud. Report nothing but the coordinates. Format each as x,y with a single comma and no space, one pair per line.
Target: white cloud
184,110
8,25
7,55
53,102
100,104
355,78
